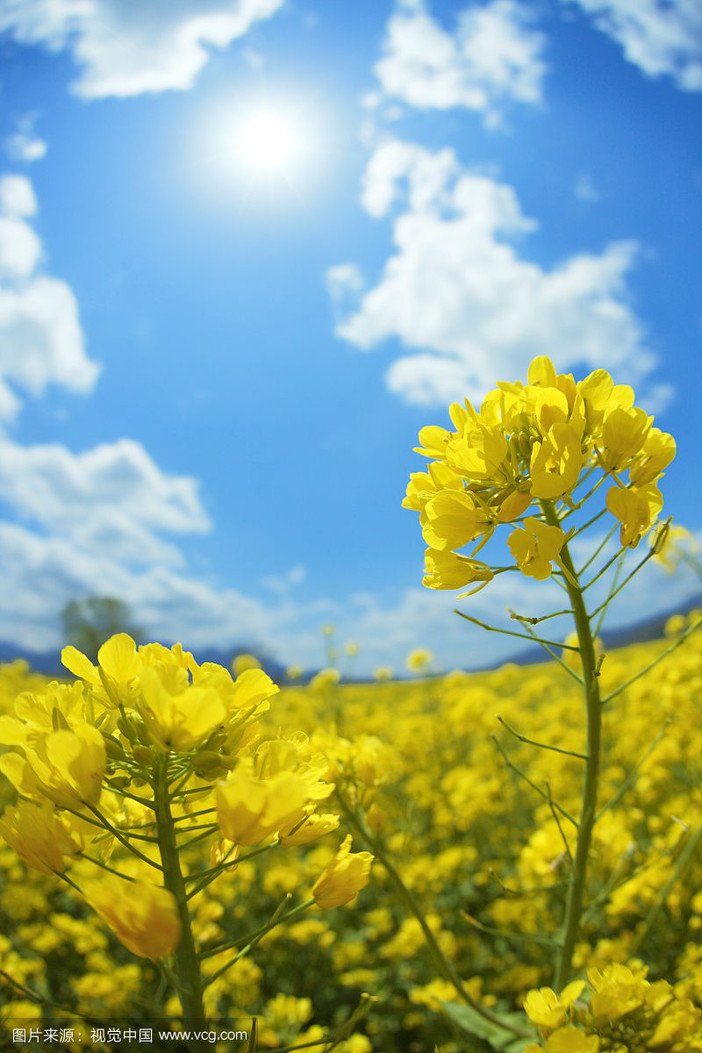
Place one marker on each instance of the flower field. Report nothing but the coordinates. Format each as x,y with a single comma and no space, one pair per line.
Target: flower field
480,854
506,860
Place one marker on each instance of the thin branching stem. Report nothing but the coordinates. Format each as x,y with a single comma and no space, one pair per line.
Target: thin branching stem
602,545
530,782
518,636
539,745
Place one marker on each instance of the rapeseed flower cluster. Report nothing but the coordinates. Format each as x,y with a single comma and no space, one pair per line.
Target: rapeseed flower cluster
617,1011
468,837
121,779
530,446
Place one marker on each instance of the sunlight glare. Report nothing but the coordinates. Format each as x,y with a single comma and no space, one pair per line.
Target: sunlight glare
267,141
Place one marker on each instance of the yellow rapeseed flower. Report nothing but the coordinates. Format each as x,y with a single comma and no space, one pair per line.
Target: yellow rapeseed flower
451,570
251,809
67,766
38,836
636,509
535,547
343,878
144,917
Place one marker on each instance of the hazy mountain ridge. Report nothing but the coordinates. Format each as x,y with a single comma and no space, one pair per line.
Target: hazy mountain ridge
49,662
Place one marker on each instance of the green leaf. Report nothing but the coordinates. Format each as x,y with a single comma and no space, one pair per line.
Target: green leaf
501,1038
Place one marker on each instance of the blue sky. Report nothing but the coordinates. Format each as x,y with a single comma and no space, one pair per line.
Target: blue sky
213,371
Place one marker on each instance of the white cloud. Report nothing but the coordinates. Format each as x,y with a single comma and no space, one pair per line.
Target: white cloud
41,340
661,38
20,248
125,49
64,491
17,196
23,145
494,56
458,291
427,175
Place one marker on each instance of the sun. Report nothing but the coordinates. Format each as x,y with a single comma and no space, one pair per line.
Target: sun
268,140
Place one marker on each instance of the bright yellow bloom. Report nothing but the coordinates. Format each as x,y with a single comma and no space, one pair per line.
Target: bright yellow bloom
635,509
251,809
656,454
178,719
65,766
532,443
556,463
117,661
343,878
423,485
312,827
433,441
144,917
38,836
547,1009
535,547
617,990
479,453
453,518
624,432
325,679
450,570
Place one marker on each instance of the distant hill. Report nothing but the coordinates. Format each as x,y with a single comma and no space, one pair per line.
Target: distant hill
49,662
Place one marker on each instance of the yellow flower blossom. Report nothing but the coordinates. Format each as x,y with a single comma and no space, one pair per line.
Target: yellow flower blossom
251,809
624,433
536,547
178,719
453,518
656,454
144,917
312,827
118,665
547,1009
66,766
450,570
343,878
38,836
636,510
419,660
556,463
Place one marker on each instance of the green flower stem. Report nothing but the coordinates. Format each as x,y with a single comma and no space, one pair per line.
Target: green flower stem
591,687
187,963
